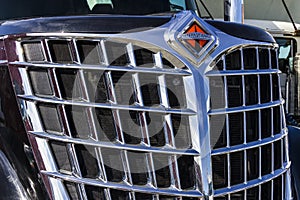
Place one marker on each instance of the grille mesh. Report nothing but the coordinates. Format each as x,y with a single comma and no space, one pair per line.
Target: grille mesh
114,116
114,120
247,128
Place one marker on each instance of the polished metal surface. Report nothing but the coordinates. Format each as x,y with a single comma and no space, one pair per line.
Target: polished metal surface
67,177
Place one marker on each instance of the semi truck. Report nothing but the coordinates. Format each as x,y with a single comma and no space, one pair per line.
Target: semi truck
138,99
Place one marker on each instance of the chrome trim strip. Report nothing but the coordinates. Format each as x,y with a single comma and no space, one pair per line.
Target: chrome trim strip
250,145
245,108
166,149
154,70
242,72
3,62
159,109
252,183
145,189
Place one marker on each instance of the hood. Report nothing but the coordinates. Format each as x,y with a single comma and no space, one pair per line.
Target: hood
86,24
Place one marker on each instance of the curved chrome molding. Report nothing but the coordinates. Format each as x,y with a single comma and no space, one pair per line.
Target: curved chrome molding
141,148
154,70
145,189
245,108
241,72
250,145
158,109
252,183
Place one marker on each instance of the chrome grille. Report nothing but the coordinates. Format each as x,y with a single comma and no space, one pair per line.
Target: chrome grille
109,118
114,118
248,134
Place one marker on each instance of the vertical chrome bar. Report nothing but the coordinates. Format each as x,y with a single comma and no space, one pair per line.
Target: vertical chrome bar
259,192
138,96
175,179
52,72
115,113
99,157
151,170
126,167
130,53
272,189
234,11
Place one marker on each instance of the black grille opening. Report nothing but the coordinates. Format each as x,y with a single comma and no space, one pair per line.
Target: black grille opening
162,170
217,92
155,123
72,190
131,126
40,82
78,122
264,58
276,87
219,66
266,159
60,52
164,197
93,192
107,127
89,52
116,54
277,155
221,198
253,193
143,57
249,58
50,118
266,123
236,128
138,167
237,168
252,125
119,195
251,90
190,198
265,89
61,156
33,52
252,164
140,196
274,60
233,60
87,160
238,195
235,91
218,131
277,184
168,65
69,84
150,89
266,190
113,164
123,87
220,171
176,91
96,86
181,129
276,120
186,172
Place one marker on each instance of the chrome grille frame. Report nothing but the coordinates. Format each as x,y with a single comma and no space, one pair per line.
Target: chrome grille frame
198,110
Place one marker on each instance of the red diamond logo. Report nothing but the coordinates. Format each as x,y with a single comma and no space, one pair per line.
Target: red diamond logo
196,37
